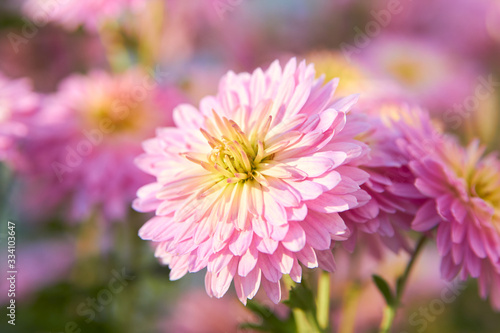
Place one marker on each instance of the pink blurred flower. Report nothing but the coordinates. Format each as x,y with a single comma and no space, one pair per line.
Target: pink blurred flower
427,74
73,13
195,313
394,198
84,141
463,188
18,103
251,183
444,23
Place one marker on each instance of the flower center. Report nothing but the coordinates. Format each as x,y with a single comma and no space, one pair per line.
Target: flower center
119,115
483,179
486,185
121,121
235,156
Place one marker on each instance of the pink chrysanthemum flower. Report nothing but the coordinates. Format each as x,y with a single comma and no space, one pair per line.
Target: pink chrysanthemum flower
83,144
394,197
463,188
250,184
73,13
18,104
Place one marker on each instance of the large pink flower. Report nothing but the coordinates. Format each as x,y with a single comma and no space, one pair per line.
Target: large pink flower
18,104
464,204
250,184
82,146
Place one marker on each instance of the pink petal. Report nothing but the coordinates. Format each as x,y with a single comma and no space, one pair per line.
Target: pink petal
273,290
427,217
248,261
295,239
307,257
270,272
326,261
240,242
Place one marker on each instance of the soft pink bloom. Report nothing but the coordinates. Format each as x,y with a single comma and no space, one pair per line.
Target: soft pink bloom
195,313
394,198
427,74
251,183
443,22
73,13
84,140
18,103
463,188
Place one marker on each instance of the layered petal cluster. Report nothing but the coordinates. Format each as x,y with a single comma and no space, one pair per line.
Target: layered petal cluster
250,184
73,13
18,104
82,146
463,190
394,198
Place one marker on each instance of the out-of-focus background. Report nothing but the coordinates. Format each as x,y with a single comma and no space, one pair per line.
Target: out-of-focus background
67,183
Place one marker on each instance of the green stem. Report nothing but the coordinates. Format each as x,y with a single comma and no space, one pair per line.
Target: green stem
350,302
390,309
305,321
116,52
388,319
323,300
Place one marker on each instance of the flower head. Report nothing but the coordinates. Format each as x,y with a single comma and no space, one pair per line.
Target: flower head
83,143
463,190
421,69
251,183
394,198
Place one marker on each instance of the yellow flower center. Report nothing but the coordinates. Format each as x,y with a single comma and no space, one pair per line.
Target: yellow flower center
485,184
120,115
481,175
235,155
407,71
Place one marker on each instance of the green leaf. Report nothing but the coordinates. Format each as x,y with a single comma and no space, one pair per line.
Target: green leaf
399,286
270,322
260,310
254,327
384,288
301,297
